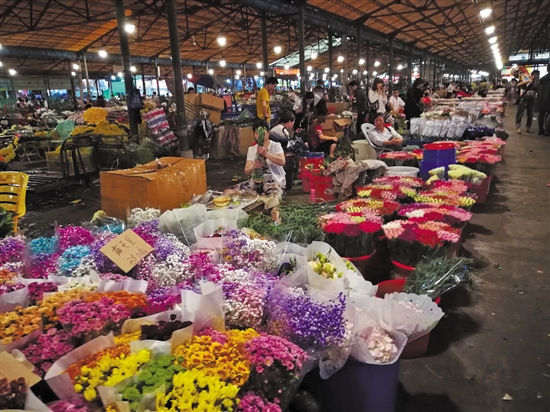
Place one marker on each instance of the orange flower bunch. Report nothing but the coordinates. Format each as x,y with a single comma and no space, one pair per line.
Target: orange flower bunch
7,277
91,361
131,300
126,338
22,321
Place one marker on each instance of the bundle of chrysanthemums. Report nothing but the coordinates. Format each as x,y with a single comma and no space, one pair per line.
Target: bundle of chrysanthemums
195,328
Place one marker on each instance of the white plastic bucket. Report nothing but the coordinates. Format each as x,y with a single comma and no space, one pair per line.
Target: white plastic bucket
402,171
363,150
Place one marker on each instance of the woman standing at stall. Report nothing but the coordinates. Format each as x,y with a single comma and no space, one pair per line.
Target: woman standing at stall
303,109
377,99
413,105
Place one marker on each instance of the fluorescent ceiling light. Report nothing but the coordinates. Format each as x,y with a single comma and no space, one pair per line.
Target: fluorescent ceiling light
485,13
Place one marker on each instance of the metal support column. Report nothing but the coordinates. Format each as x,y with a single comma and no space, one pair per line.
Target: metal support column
390,71
125,51
301,47
244,78
359,43
157,77
345,55
87,77
176,66
367,62
143,78
98,90
435,73
233,82
409,66
330,56
265,61
75,105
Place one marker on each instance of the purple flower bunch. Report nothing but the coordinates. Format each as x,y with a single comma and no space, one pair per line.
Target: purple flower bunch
48,348
168,244
102,262
241,251
84,318
71,236
10,287
162,299
42,265
310,324
11,250
148,231
114,277
244,304
37,290
251,402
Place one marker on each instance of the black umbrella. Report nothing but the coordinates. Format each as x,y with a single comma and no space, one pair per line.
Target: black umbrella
209,81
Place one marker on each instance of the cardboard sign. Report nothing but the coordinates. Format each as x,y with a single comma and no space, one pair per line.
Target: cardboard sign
126,250
11,368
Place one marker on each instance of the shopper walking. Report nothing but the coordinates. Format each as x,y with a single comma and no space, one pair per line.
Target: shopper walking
263,110
542,106
527,100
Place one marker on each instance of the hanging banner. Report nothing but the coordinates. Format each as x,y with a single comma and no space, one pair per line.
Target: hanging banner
284,72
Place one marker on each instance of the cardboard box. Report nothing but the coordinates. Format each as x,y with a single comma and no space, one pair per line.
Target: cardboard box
215,115
335,124
148,186
211,102
217,148
193,98
246,139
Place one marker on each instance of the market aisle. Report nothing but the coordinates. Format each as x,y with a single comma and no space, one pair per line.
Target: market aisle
495,340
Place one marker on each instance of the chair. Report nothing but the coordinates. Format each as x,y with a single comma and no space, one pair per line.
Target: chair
13,192
366,128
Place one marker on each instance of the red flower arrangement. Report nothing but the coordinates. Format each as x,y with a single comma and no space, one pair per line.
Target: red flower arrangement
398,158
361,207
351,236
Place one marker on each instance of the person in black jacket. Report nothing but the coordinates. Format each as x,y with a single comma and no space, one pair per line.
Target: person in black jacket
413,105
360,103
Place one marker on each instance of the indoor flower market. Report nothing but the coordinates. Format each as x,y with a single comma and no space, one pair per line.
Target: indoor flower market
274,206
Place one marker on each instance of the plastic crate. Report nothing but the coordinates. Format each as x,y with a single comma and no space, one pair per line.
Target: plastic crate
53,160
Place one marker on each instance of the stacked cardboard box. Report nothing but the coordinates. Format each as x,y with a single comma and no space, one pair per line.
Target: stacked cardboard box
211,104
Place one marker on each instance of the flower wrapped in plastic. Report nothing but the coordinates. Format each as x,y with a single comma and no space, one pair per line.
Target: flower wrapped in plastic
366,207
400,181
445,197
460,172
424,212
412,242
243,251
351,236
398,158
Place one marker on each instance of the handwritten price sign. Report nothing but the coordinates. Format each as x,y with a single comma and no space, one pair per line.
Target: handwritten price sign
126,250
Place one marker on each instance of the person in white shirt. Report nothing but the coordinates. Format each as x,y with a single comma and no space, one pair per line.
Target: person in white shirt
265,165
377,99
385,137
395,102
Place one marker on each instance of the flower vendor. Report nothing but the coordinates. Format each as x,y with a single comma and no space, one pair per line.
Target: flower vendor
318,141
264,162
383,136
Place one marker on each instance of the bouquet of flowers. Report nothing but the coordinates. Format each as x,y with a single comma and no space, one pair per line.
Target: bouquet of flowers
275,368
459,172
364,207
400,181
479,160
48,348
257,174
445,198
310,323
455,186
243,251
398,158
412,242
387,192
13,394
424,212
351,236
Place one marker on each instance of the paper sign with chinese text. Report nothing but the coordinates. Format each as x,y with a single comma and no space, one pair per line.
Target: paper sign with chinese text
126,250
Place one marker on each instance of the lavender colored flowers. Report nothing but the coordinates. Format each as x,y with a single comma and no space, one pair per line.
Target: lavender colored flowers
306,322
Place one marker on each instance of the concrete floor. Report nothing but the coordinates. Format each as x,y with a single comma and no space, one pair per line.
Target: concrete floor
493,340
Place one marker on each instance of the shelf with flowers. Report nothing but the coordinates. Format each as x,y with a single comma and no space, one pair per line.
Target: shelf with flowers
411,242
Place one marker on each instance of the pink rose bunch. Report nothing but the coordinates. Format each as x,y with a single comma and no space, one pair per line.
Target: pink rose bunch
253,403
268,351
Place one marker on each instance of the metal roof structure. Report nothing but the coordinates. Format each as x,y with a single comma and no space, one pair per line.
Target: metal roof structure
43,36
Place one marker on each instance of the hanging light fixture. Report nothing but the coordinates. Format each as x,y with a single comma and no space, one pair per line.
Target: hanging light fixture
327,69
12,72
484,13
262,73
309,68
493,40
277,49
222,63
189,75
490,30
73,74
400,67
259,65
374,73
354,71
286,66
113,77
102,54
313,55
129,27
376,63
133,69
237,77
238,72
365,73
76,66
211,72
120,74
340,59
222,41
361,61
